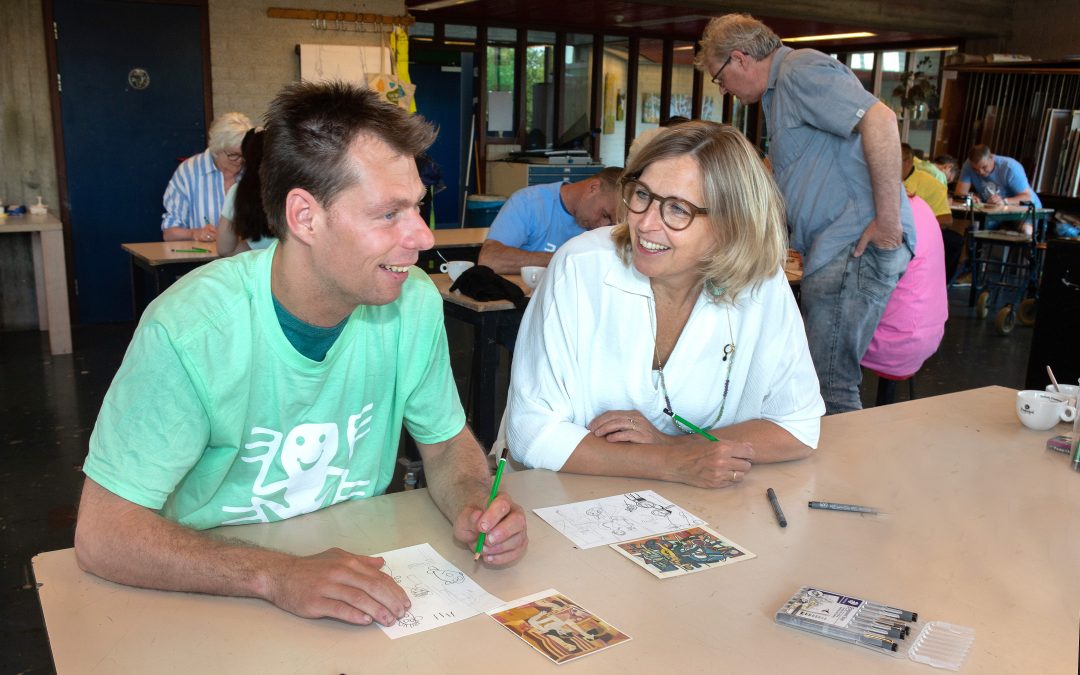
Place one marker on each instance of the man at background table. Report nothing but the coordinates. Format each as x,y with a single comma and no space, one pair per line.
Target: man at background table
996,180
274,384
539,219
835,153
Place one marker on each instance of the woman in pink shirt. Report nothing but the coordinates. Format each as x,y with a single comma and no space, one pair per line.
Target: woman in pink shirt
914,319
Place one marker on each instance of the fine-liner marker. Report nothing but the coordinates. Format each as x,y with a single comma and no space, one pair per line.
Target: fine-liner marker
776,507
832,506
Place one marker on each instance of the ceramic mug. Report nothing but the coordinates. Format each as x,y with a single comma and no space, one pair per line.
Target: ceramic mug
1069,391
455,267
1041,411
532,275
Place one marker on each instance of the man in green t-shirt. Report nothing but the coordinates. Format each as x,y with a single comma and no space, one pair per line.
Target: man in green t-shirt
276,383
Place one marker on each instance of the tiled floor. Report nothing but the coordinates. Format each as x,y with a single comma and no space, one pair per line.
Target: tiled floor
48,405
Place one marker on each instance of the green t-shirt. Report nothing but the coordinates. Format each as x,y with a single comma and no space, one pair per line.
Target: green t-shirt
214,418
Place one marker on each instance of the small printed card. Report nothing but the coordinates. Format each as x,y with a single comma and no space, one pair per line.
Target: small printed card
439,592
556,626
683,552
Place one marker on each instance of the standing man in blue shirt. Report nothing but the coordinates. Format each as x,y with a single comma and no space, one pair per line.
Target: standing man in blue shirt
835,152
539,219
996,179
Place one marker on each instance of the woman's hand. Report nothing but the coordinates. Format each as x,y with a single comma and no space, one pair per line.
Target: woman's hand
712,464
628,426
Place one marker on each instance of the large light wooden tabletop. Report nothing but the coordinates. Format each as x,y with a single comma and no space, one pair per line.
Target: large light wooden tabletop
982,531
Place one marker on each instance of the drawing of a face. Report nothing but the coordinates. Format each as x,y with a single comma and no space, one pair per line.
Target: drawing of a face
308,447
447,576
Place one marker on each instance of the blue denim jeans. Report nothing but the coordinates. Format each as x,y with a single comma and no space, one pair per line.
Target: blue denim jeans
842,303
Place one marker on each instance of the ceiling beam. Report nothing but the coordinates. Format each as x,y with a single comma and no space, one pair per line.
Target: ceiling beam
974,18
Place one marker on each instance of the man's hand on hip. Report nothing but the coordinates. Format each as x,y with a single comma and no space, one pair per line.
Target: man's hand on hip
880,236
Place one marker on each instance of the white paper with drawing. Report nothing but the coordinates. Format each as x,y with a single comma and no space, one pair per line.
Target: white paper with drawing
440,593
599,522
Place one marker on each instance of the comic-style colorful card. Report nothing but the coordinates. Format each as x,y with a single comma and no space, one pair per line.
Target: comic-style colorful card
556,626
683,552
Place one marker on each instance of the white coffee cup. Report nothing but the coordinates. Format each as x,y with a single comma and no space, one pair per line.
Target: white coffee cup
532,275
455,267
1041,411
1069,391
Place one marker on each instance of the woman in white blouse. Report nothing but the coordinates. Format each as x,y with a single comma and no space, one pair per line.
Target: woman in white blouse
676,325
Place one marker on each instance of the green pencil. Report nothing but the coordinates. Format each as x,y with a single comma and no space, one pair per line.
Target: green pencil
494,491
693,427
191,250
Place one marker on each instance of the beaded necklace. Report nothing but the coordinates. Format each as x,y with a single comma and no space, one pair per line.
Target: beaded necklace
729,357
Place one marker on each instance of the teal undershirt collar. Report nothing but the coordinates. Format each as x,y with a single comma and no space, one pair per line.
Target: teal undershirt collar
311,341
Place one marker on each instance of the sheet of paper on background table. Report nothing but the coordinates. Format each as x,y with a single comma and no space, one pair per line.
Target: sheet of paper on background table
675,554
556,626
440,593
609,520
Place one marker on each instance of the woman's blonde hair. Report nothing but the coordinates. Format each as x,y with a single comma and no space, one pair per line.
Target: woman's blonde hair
746,211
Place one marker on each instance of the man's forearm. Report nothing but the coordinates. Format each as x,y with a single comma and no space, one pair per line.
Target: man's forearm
509,260
132,545
457,474
881,146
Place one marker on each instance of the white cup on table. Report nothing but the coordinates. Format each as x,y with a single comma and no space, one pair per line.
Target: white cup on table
1041,411
532,275
1069,391
454,268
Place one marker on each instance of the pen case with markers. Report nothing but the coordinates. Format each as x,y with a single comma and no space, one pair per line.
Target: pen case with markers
877,626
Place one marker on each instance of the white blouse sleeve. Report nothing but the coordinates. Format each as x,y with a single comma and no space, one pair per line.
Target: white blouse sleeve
540,429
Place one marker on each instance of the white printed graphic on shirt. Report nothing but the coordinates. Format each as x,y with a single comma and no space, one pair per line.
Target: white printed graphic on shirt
305,455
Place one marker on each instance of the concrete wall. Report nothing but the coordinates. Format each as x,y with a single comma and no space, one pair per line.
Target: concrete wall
252,55
27,166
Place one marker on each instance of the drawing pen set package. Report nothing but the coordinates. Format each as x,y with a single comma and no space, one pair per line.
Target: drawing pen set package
878,626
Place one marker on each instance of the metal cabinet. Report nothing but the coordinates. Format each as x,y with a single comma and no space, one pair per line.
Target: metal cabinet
506,178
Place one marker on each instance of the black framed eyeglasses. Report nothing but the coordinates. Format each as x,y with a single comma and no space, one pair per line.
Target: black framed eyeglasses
716,78
676,212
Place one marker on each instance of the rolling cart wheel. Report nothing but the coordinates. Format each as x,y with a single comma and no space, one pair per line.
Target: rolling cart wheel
1026,313
1005,320
982,304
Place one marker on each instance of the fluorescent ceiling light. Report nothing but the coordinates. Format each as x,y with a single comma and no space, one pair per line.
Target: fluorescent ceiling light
684,48
834,36
439,4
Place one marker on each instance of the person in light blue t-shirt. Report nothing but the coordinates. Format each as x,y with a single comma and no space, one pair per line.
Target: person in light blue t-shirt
997,180
276,383
537,220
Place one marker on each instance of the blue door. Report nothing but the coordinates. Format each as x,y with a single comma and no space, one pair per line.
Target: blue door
132,105
444,96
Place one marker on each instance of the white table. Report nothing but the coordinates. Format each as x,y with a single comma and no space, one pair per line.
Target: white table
50,275
982,532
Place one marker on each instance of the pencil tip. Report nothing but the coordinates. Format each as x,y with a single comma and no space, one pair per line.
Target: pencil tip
476,556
